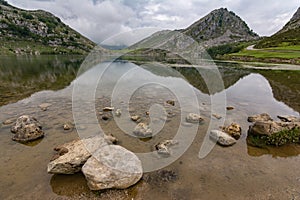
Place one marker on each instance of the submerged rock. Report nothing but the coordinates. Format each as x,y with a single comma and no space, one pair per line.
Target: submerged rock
110,139
234,130
222,138
44,106
112,167
118,112
27,129
194,118
142,130
68,126
76,153
171,102
8,122
229,108
164,147
260,117
135,118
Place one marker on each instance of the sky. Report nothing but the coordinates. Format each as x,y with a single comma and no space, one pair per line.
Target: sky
101,19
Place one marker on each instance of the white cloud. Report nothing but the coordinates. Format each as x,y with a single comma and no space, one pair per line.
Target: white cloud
100,19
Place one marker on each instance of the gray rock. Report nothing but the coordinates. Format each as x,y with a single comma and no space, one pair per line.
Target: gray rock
110,139
142,130
118,112
194,118
22,121
265,128
234,130
26,129
8,122
260,117
135,118
222,138
112,167
163,148
78,152
268,128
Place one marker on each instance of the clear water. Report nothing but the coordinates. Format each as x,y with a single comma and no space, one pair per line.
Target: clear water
238,172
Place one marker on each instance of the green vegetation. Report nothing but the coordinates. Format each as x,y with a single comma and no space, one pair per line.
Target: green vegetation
276,139
265,53
37,32
287,38
218,51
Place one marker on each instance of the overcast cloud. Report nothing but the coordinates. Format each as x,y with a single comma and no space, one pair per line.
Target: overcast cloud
101,19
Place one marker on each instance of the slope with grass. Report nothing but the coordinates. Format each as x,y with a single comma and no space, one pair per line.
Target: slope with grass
37,32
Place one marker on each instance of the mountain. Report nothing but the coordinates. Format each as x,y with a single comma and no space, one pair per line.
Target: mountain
218,27
289,35
37,32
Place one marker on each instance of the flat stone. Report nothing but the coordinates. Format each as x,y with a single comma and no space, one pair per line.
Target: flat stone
76,154
107,109
112,167
194,118
44,106
260,117
8,121
222,138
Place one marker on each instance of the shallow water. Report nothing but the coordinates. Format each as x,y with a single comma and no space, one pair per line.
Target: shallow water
238,172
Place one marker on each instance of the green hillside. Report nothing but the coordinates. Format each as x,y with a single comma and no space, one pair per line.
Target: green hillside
37,32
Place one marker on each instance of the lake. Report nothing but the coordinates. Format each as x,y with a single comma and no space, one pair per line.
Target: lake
237,172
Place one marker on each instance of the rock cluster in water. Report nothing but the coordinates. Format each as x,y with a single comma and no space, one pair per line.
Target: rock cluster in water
104,165
228,136
266,131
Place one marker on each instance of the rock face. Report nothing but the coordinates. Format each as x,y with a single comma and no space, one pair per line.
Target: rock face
142,130
234,130
260,117
112,167
27,129
76,153
222,138
194,118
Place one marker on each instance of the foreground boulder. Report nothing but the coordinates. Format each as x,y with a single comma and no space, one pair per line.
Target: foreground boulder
222,138
276,133
70,157
27,129
112,167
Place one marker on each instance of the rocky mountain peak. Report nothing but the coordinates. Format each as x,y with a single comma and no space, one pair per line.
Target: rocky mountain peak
221,26
296,16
